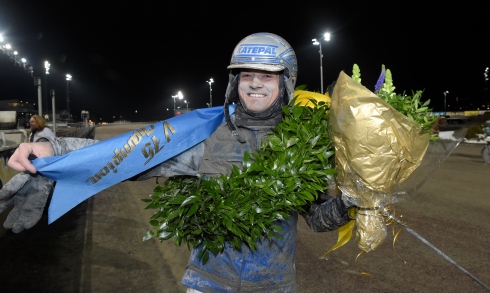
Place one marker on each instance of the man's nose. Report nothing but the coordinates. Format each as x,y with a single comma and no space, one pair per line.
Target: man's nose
256,81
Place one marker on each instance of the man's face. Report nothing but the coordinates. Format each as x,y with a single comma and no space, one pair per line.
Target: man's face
258,89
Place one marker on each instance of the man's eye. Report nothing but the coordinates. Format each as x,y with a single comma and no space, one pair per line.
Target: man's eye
267,77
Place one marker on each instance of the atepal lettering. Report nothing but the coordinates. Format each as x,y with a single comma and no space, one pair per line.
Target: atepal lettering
261,50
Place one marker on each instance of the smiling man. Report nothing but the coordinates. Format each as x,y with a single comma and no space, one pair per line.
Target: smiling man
261,81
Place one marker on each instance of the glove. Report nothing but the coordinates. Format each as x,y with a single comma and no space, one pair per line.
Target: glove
349,202
28,194
348,199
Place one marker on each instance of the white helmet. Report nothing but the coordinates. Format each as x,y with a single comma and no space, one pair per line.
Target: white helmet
269,52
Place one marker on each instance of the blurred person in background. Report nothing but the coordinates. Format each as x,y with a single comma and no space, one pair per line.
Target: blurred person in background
39,128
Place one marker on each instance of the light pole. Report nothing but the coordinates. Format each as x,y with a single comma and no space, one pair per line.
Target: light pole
210,81
46,73
68,79
326,37
186,105
445,93
53,106
485,88
37,82
180,96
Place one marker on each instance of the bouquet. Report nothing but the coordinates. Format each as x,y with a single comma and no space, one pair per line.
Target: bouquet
380,140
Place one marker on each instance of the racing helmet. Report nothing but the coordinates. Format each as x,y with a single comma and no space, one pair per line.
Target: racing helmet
269,52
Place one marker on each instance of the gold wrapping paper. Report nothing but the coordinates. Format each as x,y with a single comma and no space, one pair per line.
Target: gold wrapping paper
376,149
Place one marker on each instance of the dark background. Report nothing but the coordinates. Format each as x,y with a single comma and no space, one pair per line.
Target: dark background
128,58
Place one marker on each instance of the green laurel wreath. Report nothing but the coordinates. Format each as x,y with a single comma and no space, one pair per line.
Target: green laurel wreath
286,172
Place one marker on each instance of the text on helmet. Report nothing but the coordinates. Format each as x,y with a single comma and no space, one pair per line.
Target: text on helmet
247,50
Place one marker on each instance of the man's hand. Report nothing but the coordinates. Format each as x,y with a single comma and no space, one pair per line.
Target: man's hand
20,158
28,194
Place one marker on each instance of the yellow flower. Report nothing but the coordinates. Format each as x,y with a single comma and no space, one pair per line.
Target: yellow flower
303,97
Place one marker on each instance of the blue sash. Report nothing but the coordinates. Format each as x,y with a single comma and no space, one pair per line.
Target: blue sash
87,171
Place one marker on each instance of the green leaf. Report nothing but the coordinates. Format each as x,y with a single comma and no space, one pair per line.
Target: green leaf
189,200
192,210
291,142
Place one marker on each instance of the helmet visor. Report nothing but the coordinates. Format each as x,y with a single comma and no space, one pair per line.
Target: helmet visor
265,67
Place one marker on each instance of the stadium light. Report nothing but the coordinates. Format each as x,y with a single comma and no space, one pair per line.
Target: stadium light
326,37
210,81
180,96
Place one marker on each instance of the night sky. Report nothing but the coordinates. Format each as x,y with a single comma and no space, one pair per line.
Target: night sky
128,60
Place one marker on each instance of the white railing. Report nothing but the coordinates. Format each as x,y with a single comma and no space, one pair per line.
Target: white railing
11,138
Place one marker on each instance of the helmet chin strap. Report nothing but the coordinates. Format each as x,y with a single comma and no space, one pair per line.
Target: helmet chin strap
289,86
232,89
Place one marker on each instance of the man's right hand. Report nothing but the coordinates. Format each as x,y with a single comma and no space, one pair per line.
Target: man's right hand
20,158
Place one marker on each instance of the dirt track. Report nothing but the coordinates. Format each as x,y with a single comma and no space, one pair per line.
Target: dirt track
97,246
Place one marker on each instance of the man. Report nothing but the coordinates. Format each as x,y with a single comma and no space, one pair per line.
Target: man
263,73
39,128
